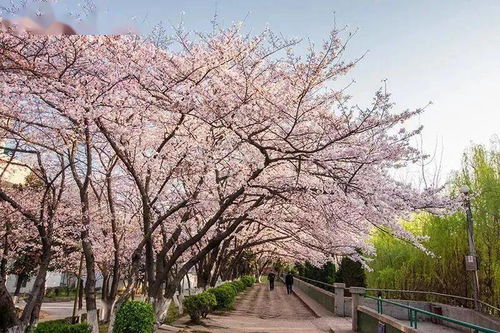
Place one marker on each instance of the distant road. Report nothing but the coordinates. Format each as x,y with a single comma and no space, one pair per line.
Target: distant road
60,310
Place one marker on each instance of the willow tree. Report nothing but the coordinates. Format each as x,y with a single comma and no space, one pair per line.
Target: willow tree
400,265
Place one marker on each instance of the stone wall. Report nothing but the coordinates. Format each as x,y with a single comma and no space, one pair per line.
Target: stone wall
321,296
327,300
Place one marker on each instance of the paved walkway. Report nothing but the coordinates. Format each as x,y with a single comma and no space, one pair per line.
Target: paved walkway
258,311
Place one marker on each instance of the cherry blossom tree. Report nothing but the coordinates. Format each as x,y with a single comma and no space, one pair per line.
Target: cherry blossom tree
195,155
35,211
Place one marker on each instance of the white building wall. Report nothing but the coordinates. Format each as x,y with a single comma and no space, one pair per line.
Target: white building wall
54,279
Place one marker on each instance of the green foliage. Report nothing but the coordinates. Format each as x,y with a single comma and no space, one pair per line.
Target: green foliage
351,273
248,280
239,285
60,326
325,273
199,306
219,298
79,328
225,295
134,317
399,265
172,314
55,326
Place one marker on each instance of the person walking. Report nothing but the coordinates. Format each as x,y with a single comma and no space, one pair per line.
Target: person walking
289,282
271,276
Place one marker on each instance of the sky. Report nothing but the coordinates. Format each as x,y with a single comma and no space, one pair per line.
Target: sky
445,51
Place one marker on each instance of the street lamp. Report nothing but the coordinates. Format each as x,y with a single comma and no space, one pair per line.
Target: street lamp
471,259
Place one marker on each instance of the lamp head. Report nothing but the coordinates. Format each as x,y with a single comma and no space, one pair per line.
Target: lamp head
464,189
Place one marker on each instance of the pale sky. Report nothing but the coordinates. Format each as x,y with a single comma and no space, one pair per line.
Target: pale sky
444,51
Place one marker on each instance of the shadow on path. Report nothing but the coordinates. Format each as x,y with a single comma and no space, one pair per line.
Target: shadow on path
258,310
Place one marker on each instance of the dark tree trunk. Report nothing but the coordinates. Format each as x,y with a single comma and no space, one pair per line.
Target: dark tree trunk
19,284
35,314
3,262
80,294
203,272
8,317
38,289
105,281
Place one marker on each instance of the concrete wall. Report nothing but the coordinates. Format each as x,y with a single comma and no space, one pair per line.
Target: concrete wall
327,300
463,314
323,297
369,321
53,279
469,316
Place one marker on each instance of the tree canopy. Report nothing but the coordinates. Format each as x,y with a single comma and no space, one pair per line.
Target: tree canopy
160,160
399,265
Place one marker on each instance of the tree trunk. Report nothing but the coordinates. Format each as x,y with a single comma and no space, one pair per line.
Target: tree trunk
80,294
203,274
90,293
112,316
160,305
106,310
8,317
5,255
19,285
129,292
38,288
35,314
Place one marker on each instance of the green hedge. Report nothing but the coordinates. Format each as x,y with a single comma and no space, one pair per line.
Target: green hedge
239,285
199,306
60,326
219,298
225,295
248,280
135,317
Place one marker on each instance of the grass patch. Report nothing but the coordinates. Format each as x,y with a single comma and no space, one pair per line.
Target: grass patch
172,314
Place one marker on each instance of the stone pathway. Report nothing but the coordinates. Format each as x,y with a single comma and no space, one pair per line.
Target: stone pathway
259,310
266,304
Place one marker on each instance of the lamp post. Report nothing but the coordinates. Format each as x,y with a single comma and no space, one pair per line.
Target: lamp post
471,259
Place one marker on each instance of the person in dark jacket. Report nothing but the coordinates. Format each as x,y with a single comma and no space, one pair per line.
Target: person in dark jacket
271,277
289,282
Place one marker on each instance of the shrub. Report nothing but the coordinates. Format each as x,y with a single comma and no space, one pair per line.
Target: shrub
172,314
134,317
199,306
60,326
56,326
231,286
79,328
248,280
224,294
239,285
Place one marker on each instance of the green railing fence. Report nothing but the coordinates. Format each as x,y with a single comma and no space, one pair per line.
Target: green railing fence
413,315
430,296
417,295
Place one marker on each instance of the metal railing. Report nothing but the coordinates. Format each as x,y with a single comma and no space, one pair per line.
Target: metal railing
324,285
413,317
430,296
